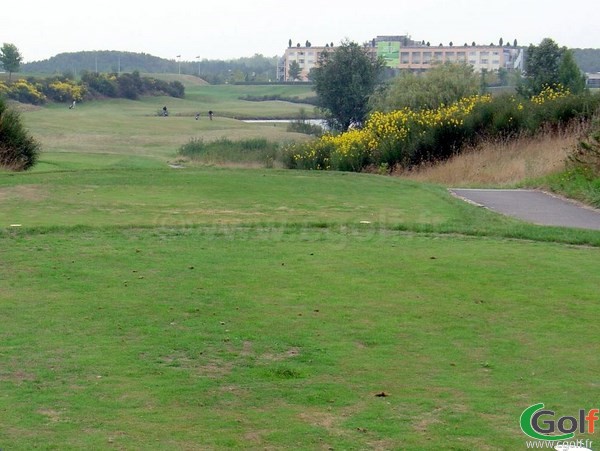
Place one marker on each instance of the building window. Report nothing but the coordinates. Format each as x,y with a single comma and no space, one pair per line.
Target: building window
426,57
416,58
404,58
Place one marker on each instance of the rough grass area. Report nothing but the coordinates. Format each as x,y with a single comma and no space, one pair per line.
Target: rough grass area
132,128
255,151
503,163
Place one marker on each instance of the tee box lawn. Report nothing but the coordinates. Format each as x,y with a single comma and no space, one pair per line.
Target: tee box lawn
207,308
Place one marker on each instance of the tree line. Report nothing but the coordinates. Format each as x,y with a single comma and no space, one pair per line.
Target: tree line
248,69
257,68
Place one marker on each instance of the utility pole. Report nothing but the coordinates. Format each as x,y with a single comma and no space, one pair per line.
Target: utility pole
198,58
179,60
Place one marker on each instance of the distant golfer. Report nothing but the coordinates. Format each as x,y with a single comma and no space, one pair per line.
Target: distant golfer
197,116
210,115
72,105
165,112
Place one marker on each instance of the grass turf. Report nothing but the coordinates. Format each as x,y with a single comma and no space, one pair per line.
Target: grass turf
180,338
152,308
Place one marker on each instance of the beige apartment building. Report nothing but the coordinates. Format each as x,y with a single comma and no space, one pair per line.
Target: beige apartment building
488,58
401,52
306,57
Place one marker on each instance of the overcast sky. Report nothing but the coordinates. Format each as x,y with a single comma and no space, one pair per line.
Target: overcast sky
226,29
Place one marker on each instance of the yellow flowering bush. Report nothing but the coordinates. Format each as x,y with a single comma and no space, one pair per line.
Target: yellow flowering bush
389,138
313,155
407,137
23,91
550,93
65,91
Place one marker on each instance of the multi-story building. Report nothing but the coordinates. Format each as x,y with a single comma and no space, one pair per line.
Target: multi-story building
305,57
401,52
593,80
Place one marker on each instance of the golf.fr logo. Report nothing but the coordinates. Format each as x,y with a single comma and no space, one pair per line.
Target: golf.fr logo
539,423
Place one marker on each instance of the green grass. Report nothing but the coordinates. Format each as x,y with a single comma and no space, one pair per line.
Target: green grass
134,193
183,338
146,307
574,183
133,128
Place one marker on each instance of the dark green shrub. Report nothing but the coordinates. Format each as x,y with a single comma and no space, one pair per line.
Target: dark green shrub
130,86
101,84
302,126
313,155
587,154
18,150
176,89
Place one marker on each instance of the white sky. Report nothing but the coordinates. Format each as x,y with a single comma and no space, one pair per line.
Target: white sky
225,29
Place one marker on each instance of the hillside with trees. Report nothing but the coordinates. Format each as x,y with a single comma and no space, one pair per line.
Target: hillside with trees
257,68
588,60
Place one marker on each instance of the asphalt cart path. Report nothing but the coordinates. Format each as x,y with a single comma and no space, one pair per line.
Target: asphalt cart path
533,206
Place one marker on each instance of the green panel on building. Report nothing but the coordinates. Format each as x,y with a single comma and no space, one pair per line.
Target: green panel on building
390,51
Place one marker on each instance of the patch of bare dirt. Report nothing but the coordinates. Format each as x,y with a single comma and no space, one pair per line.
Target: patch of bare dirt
289,354
24,192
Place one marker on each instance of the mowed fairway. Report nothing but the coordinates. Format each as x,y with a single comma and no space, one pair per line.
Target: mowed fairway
145,307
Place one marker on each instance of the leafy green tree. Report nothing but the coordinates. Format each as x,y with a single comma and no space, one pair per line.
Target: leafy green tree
548,64
344,80
503,76
444,84
11,58
569,74
541,65
294,71
18,150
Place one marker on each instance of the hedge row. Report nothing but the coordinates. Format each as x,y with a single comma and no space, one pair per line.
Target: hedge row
92,85
407,137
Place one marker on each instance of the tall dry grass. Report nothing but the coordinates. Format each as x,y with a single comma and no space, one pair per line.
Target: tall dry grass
503,163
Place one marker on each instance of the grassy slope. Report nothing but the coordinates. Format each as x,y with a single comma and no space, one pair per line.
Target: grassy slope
153,308
539,162
132,128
